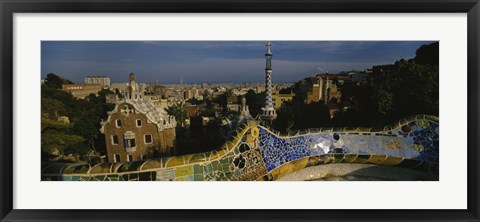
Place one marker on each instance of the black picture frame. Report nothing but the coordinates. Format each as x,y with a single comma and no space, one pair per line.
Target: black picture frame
9,7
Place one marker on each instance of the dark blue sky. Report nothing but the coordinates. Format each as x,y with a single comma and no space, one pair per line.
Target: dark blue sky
215,61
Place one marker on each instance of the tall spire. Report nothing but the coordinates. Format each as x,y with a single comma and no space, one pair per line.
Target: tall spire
133,92
269,50
133,81
268,110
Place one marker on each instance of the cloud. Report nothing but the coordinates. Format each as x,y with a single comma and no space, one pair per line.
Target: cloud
207,70
206,44
239,70
215,61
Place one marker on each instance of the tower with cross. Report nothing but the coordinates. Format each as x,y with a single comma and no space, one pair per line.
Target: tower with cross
269,112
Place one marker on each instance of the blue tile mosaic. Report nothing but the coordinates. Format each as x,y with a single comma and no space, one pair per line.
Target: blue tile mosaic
256,153
419,140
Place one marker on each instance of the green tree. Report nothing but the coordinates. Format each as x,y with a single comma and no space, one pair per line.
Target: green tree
70,103
85,116
195,101
78,150
55,81
287,90
57,136
52,108
87,122
391,92
255,102
284,121
311,115
222,101
384,101
209,110
409,88
404,89
87,126
428,54
179,111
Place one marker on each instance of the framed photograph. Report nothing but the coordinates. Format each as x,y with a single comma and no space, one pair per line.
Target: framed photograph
219,110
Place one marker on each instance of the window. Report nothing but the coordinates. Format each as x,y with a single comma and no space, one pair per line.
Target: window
129,139
139,122
116,158
142,157
129,143
114,140
129,158
148,139
118,123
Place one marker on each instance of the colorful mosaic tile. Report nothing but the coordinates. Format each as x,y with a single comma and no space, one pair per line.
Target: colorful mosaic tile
256,153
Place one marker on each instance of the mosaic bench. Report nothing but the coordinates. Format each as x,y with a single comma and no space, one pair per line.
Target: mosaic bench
258,153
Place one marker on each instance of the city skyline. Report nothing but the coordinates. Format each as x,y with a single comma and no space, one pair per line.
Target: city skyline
96,130
170,62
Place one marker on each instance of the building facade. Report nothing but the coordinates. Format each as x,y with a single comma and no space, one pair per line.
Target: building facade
119,87
136,129
82,90
111,98
102,80
278,99
325,89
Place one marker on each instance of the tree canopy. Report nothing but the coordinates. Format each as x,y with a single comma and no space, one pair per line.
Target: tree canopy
55,81
179,111
80,135
391,92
